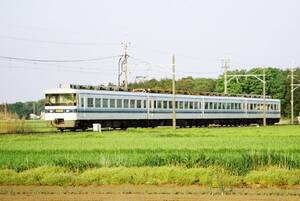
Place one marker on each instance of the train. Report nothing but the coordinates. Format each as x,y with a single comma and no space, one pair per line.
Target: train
75,107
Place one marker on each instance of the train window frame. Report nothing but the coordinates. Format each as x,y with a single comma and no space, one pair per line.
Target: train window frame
105,102
125,103
98,102
119,103
139,104
90,102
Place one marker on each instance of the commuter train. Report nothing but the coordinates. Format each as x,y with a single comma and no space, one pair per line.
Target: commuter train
78,107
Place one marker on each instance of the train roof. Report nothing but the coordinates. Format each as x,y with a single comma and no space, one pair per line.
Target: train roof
112,90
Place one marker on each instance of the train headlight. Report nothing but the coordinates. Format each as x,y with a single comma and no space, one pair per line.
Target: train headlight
51,111
67,111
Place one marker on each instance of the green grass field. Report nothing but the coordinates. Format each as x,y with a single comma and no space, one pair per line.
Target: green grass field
242,155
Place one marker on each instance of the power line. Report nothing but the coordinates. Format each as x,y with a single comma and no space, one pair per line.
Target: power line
57,61
54,42
56,69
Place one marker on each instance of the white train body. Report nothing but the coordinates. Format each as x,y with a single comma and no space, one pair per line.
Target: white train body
78,108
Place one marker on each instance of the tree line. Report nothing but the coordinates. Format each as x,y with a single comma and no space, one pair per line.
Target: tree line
277,85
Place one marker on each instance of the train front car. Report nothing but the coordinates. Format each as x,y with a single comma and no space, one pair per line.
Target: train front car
61,108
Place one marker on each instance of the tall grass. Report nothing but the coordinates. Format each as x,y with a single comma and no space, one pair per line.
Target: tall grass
212,177
9,123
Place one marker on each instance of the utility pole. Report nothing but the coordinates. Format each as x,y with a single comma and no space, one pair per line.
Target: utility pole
173,91
5,110
293,88
124,71
226,67
263,80
33,107
264,97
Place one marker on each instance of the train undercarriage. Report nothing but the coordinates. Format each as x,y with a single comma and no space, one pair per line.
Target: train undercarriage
62,124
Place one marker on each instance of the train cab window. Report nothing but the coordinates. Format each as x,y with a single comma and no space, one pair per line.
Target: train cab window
165,104
105,103
90,102
139,103
170,104
119,103
132,103
126,103
97,102
82,102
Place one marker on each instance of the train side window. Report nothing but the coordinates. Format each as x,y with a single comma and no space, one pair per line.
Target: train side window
155,104
159,104
206,105
126,103
132,103
186,105
190,105
112,103
196,106
90,102
215,106
138,103
145,103
232,106
105,103
200,105
165,104
170,104
97,102
223,106
211,106
180,104
177,104
119,103
82,102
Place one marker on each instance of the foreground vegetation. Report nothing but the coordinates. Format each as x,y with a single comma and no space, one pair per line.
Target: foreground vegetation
236,150
212,177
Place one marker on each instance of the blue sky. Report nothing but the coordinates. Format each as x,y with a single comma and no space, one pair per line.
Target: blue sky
200,33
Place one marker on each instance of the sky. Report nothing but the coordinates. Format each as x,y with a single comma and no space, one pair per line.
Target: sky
200,33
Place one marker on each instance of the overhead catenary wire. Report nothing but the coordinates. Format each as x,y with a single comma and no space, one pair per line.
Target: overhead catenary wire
57,42
57,60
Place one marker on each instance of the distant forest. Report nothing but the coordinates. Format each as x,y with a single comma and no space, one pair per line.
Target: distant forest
278,86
